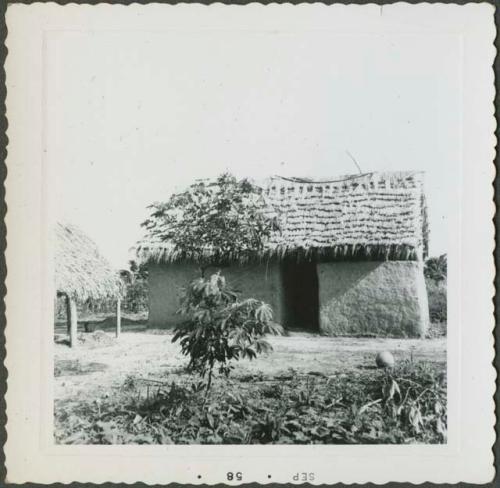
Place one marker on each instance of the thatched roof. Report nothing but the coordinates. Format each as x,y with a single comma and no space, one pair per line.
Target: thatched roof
80,270
370,216
375,214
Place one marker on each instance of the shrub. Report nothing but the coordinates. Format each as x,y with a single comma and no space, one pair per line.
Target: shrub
220,328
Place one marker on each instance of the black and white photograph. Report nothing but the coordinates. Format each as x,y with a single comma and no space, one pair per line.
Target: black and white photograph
251,248
253,229
294,311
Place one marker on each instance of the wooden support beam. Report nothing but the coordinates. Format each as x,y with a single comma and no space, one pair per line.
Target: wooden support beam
68,313
118,317
73,323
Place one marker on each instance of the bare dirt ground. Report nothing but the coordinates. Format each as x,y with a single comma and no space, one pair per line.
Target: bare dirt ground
96,371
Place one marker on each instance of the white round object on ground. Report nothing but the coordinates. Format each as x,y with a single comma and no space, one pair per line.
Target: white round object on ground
385,359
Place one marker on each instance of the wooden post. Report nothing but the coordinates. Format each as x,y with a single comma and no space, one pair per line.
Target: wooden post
68,314
118,317
73,322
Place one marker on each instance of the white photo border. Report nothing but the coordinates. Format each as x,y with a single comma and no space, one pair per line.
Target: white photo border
30,453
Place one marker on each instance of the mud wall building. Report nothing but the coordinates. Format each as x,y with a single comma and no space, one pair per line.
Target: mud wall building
347,258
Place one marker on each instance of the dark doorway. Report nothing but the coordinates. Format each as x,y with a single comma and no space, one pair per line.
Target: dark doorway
301,298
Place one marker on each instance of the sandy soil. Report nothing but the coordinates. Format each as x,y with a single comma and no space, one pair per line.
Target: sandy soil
97,371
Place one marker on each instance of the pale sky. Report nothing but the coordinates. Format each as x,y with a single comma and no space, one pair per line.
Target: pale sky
132,116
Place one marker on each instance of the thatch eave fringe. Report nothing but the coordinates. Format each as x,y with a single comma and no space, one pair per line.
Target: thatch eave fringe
382,252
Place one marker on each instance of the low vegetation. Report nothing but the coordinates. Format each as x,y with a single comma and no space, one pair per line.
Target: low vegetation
404,405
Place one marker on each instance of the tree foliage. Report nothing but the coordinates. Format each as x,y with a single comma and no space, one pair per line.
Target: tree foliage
224,218
135,280
436,268
220,328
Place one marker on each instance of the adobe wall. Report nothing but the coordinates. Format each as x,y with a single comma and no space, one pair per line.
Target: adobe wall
165,289
382,298
259,281
167,280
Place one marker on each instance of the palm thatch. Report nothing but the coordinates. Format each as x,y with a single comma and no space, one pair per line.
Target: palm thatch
374,215
81,271
368,216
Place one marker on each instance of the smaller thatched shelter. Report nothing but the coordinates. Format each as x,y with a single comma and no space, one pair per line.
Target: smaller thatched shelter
81,273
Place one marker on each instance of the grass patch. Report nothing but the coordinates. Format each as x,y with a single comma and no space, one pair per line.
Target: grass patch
406,405
74,367
437,330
